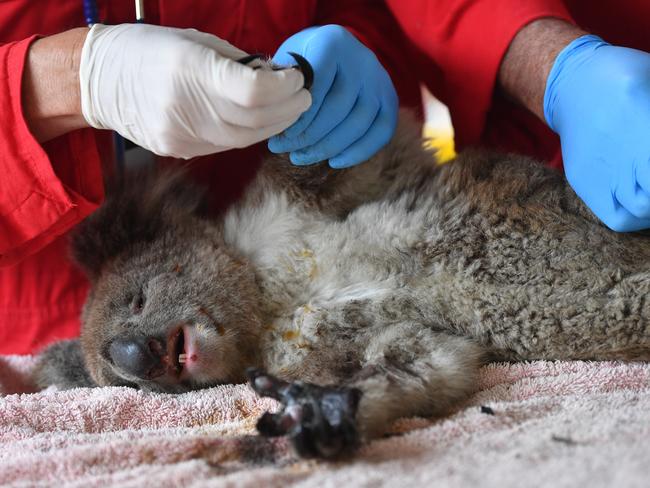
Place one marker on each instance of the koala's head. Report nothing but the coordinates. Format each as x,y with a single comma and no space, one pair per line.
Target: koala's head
171,308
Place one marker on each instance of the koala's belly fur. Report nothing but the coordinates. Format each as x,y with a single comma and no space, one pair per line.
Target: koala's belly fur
540,285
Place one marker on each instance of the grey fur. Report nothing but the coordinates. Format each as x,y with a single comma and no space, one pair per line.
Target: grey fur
396,277
62,364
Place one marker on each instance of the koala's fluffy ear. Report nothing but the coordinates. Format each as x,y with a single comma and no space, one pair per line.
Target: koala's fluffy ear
62,364
139,206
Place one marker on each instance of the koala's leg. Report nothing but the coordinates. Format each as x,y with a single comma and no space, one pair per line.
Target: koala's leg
411,370
407,370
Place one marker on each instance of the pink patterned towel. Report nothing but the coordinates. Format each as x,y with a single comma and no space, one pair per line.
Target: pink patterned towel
563,424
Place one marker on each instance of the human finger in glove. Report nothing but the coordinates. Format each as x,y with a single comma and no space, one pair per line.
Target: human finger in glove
181,92
354,108
597,99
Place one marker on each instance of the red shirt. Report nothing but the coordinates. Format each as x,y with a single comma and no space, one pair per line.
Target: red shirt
45,190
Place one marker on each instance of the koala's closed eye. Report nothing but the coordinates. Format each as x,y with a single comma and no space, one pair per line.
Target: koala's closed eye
138,301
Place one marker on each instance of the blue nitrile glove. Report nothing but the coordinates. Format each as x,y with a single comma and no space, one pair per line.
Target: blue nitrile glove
598,100
354,104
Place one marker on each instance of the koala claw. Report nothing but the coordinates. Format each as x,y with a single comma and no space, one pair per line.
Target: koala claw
318,420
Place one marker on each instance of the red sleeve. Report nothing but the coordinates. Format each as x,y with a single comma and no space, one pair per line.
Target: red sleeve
372,23
44,190
464,42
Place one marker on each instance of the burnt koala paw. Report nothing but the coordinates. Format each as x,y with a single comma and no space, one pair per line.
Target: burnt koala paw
319,420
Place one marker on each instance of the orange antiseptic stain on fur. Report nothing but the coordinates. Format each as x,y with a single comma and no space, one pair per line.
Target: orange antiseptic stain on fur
313,272
306,253
290,335
220,328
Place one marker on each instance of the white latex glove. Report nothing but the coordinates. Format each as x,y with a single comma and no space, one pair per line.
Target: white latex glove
180,92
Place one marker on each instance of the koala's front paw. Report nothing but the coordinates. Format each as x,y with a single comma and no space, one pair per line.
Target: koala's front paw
62,364
319,421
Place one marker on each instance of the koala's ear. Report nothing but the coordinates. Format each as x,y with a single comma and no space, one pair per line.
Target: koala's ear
62,364
139,206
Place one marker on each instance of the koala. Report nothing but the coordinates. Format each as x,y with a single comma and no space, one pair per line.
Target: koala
352,296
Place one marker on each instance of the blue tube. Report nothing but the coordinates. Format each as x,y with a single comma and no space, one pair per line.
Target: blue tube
90,12
91,16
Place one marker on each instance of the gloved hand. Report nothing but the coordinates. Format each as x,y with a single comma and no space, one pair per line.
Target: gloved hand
354,108
180,92
598,100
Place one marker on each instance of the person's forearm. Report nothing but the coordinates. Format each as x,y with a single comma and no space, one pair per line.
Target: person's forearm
50,93
529,60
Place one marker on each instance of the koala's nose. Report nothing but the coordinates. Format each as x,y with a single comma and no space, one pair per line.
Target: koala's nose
137,356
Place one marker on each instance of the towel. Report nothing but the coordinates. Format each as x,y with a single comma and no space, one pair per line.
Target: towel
555,424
